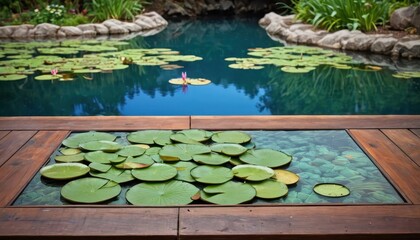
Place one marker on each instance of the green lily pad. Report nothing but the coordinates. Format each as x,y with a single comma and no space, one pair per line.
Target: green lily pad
331,190
12,77
181,138
229,193
100,167
131,165
285,176
290,69
152,151
75,140
196,134
90,190
266,157
252,172
156,172
230,149
131,151
231,137
211,158
114,174
70,151
102,145
70,158
64,171
47,77
270,189
184,171
162,194
183,152
235,161
137,162
211,174
159,137
191,81
100,157
87,71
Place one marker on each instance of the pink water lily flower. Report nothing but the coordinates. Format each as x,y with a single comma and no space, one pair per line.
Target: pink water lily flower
184,77
54,72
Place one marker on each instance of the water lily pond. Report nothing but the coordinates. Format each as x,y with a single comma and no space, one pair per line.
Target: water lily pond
232,68
153,167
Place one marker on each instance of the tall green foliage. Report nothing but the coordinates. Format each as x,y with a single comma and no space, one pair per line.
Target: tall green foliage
117,9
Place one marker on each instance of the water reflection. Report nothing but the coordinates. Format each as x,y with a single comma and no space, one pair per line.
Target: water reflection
146,91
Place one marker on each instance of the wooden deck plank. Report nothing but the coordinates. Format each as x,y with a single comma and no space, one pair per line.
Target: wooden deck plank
303,222
103,123
305,122
18,171
3,134
406,141
401,169
12,143
95,223
416,131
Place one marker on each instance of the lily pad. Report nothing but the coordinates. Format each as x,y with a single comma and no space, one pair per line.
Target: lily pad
70,151
183,152
252,172
270,189
100,157
162,194
12,77
47,77
75,140
70,158
64,171
285,176
290,69
191,81
230,149
196,134
114,174
266,157
131,151
100,167
156,172
229,193
211,174
331,190
184,171
159,137
211,158
231,137
90,190
106,146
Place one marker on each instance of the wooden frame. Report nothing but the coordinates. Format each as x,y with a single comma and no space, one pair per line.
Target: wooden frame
392,141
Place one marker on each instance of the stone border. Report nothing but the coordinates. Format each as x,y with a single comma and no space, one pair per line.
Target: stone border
294,31
142,24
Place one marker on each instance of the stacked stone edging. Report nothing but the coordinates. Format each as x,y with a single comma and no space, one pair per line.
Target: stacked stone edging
294,31
143,22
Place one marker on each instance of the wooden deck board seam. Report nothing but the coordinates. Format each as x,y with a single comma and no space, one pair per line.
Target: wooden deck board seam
401,149
17,150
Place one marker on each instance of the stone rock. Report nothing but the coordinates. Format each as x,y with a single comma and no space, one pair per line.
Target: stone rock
334,40
300,26
112,22
22,31
44,30
132,27
101,29
383,45
71,31
402,18
7,31
115,29
416,20
361,42
61,34
409,49
150,20
88,26
89,33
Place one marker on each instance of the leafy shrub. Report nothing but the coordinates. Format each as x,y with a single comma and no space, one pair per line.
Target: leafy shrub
74,20
50,14
102,10
342,14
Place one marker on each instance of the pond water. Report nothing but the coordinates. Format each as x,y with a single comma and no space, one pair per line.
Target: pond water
144,90
318,157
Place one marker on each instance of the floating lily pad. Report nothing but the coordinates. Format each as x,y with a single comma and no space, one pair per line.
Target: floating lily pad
70,158
170,67
230,149
75,140
242,65
407,75
87,71
162,194
184,171
100,167
191,81
285,176
131,165
266,157
231,137
160,137
152,151
270,189
196,135
181,138
211,158
100,157
102,145
252,172
70,151
331,190
235,161
90,190
64,171
131,151
183,152
290,69
211,174
114,174
156,172
229,193
12,77
47,77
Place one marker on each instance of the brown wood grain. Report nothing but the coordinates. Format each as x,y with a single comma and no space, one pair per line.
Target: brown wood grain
416,131
12,142
18,171
405,174
95,223
300,222
304,122
103,123
407,141
3,134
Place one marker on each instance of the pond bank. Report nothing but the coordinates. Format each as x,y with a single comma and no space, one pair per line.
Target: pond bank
286,28
144,24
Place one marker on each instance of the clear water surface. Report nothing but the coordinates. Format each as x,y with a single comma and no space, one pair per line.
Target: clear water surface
146,91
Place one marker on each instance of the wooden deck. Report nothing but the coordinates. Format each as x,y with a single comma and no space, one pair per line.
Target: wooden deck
393,142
